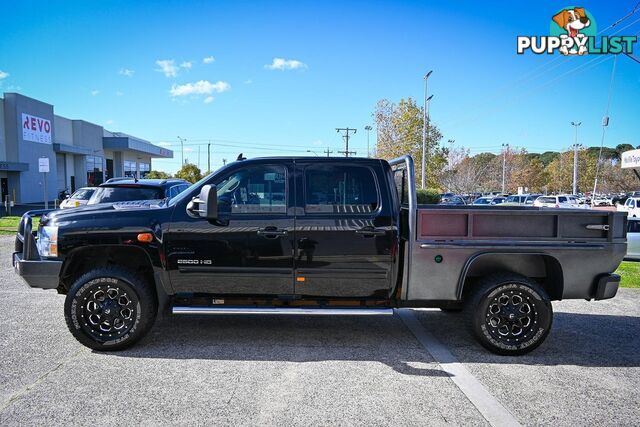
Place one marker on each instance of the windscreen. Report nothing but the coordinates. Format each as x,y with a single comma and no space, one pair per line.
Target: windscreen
83,194
124,194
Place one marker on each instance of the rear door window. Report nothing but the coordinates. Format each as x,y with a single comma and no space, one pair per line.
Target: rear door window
335,188
633,227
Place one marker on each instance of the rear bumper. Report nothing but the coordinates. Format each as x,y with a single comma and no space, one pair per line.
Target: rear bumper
606,286
42,274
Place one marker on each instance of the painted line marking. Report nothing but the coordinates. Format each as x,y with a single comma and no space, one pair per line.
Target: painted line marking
488,406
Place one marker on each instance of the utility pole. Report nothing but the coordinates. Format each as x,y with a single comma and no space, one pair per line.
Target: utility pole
424,129
182,140
346,135
505,147
575,158
327,151
368,129
224,162
209,156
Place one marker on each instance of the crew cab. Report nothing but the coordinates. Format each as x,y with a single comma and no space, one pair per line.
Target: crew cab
335,236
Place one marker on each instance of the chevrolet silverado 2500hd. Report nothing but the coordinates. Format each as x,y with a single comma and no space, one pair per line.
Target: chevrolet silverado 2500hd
318,236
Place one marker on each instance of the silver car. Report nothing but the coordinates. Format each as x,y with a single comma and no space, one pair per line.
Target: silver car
633,239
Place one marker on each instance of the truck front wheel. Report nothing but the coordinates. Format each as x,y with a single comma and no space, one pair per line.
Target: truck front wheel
508,313
110,308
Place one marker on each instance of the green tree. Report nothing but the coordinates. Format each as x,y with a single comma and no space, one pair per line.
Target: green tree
157,175
400,132
189,172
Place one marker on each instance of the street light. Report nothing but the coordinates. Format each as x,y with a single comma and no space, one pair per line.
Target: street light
182,140
505,148
575,158
424,128
310,151
368,129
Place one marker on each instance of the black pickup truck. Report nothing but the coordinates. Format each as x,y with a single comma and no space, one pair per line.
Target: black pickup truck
337,236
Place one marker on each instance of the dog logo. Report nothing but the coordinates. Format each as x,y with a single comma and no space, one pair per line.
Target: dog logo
573,21
573,31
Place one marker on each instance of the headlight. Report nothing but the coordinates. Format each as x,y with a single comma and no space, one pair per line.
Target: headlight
48,241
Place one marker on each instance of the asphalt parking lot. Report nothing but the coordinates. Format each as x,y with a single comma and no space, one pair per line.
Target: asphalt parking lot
311,370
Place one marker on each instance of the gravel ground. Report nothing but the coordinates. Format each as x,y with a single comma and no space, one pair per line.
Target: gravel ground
291,370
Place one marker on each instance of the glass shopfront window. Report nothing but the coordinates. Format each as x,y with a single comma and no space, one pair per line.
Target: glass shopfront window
144,169
130,168
95,171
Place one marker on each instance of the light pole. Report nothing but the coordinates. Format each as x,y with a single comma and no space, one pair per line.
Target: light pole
424,128
368,129
310,151
575,158
505,147
182,140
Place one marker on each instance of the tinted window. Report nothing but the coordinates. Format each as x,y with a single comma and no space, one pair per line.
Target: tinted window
83,194
546,199
255,189
633,227
334,188
124,194
562,199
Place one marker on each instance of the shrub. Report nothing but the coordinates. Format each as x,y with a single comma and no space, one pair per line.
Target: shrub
428,196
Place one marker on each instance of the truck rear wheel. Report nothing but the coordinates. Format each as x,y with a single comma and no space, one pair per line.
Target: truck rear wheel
508,313
110,309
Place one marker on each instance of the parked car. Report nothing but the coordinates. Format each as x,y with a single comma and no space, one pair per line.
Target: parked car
322,236
602,200
631,207
124,190
452,200
633,240
564,201
79,198
488,201
520,199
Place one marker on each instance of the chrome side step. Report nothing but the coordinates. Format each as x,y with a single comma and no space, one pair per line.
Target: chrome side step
288,310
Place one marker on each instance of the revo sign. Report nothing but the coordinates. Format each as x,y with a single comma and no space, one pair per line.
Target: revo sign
36,129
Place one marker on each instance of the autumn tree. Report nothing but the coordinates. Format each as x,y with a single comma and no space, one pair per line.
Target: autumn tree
399,129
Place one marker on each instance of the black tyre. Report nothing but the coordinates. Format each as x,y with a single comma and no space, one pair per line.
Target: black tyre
110,308
508,313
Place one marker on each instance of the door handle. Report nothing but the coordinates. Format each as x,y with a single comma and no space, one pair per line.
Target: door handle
271,232
370,232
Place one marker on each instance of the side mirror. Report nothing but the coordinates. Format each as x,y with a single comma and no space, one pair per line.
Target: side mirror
206,204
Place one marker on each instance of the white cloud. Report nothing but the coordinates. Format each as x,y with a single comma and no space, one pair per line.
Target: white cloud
126,72
186,65
109,122
94,92
248,81
202,87
285,64
317,143
164,144
208,100
188,150
119,93
168,67
208,59
3,74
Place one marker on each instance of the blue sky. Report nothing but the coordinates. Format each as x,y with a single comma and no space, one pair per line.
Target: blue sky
98,61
